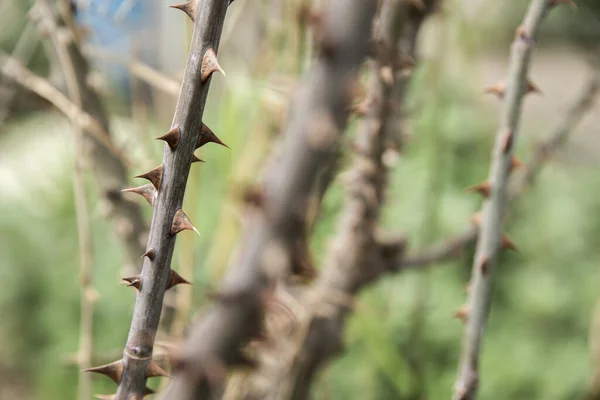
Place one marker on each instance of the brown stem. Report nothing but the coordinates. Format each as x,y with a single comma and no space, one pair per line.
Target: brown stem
166,193
274,243
489,241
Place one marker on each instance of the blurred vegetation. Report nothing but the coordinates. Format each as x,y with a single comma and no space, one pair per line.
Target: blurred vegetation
402,343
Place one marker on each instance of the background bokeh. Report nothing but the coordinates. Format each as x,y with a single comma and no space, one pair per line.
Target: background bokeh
402,342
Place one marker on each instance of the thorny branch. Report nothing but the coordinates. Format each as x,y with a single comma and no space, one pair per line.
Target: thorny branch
165,193
275,242
490,239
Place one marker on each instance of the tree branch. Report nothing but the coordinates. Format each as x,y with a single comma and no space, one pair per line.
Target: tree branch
490,239
13,69
275,242
359,253
165,193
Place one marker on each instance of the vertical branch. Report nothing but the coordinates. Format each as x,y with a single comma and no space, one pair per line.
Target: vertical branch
490,239
275,241
165,193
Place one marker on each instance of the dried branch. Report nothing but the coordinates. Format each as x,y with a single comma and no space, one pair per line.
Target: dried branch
275,242
359,254
13,69
491,240
165,193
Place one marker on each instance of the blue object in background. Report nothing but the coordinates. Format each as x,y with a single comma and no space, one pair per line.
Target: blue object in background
123,27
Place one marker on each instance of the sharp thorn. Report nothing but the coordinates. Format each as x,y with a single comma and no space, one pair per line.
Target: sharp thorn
515,163
113,370
196,159
181,222
148,192
208,136
176,279
154,176
209,65
189,8
507,141
484,265
462,313
133,281
484,188
508,244
499,88
150,253
153,370
171,138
